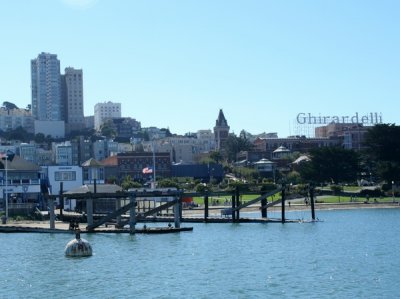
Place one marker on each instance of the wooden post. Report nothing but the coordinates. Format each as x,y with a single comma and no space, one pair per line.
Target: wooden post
180,208
177,214
263,208
132,215
52,214
233,207
61,199
311,191
117,207
237,202
89,211
283,202
206,207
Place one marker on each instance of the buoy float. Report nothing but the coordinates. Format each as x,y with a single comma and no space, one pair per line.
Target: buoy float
78,247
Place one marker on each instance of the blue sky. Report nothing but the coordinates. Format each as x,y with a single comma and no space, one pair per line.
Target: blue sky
175,63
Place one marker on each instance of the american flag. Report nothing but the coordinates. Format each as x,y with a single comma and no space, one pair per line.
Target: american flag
9,155
147,170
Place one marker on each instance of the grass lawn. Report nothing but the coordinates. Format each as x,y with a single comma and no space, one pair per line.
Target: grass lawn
222,199
325,199
340,199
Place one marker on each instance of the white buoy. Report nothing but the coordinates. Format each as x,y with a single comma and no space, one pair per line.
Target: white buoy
78,247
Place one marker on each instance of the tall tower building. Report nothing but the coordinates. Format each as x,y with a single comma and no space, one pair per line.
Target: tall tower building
105,111
72,98
46,88
221,131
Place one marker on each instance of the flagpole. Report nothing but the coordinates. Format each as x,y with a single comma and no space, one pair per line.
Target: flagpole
154,166
6,187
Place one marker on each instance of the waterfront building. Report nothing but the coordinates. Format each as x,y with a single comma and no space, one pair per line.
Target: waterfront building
69,176
221,131
23,185
133,164
93,171
105,111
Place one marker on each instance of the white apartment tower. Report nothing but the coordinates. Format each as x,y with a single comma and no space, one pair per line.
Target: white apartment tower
72,93
105,111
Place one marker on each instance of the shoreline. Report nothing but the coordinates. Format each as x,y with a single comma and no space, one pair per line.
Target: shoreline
301,207
215,211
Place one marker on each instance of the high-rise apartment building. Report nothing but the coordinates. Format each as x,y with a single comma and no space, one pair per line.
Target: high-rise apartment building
46,88
104,111
72,98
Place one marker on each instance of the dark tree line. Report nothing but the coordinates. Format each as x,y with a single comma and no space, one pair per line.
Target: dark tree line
380,159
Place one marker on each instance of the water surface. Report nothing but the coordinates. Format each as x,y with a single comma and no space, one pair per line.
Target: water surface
352,253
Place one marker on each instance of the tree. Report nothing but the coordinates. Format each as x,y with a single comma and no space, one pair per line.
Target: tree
216,156
128,183
9,106
17,134
107,129
168,183
383,147
40,138
235,144
331,164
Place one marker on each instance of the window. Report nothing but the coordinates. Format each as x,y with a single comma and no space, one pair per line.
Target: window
65,176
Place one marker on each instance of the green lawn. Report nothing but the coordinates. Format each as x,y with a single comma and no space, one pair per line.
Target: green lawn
222,199
340,199
324,199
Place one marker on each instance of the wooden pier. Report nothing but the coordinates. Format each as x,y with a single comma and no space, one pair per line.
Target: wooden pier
153,214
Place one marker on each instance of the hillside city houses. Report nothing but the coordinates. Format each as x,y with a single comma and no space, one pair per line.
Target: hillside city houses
57,110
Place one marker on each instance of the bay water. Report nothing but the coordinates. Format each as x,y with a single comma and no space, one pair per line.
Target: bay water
348,254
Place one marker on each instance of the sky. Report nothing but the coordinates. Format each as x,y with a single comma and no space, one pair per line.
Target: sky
174,63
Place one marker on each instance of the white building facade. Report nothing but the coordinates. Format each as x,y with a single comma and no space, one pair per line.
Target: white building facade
104,111
71,178
10,119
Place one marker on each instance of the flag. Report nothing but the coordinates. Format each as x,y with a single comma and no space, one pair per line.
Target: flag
9,155
147,170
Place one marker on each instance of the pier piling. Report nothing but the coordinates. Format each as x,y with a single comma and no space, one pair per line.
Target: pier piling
206,207
311,191
52,213
283,203
132,215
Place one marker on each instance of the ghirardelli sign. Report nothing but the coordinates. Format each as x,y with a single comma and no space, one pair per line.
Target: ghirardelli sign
371,118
